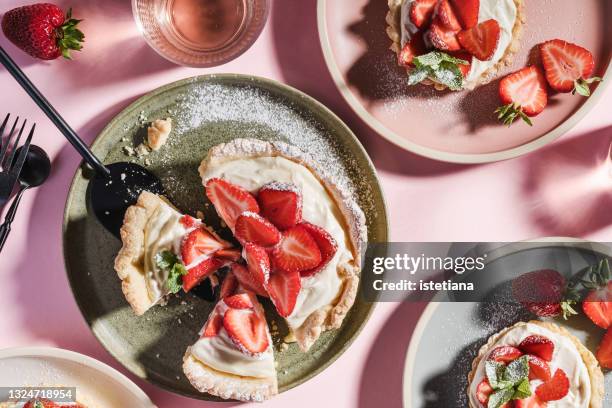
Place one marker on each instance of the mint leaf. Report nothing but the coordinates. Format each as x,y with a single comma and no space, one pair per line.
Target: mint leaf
450,75
517,370
440,67
165,259
418,74
523,390
499,398
175,277
494,372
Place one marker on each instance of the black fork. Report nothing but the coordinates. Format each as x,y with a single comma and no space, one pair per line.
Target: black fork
10,166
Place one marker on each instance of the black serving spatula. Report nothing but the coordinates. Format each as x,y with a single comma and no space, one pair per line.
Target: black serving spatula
115,186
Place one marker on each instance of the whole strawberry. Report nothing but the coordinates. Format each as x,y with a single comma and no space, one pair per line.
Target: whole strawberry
42,31
544,293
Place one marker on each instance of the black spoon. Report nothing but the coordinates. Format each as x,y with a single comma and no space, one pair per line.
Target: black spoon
34,173
114,187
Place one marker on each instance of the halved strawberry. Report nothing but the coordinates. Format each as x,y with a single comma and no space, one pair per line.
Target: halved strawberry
505,354
188,221
530,402
421,12
228,286
281,204
568,67
247,329
247,280
199,243
482,40
538,346
257,261
41,403
538,369
239,301
413,48
523,94
446,15
230,200
251,227
283,288
297,251
597,305
604,352
326,243
213,324
443,38
230,254
201,271
467,11
483,390
555,389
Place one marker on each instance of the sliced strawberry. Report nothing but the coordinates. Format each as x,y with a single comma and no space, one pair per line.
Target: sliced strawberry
443,38
257,261
413,48
213,324
538,369
228,286
247,329
481,41
284,288
421,12
555,389
201,271
230,254
326,243
446,15
239,301
598,306
567,66
530,402
505,354
538,346
523,94
604,352
281,204
189,222
467,11
230,200
199,243
42,403
483,391
251,227
247,280
297,251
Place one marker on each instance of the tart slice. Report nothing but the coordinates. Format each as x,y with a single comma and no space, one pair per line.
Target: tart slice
309,261
233,358
165,251
535,364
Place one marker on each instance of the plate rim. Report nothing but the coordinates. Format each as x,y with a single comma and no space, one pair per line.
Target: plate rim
79,358
440,155
195,79
427,314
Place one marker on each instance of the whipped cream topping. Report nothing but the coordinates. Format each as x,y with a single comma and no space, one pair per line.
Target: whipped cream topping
221,353
318,208
565,357
504,11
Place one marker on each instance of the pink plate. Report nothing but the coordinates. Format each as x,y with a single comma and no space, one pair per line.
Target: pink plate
456,126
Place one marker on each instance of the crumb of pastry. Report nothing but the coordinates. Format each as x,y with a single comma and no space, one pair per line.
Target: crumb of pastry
158,132
129,150
142,150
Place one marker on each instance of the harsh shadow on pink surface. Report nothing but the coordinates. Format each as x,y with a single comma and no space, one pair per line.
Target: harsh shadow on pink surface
312,76
570,185
381,380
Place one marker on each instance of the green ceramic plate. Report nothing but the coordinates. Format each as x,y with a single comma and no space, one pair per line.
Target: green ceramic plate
206,110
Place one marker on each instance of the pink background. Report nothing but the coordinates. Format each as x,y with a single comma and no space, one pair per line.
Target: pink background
552,192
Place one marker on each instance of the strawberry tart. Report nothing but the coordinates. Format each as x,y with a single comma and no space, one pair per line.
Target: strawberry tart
535,364
454,44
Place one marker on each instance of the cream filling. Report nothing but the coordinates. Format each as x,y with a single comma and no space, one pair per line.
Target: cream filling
319,208
565,357
504,11
221,353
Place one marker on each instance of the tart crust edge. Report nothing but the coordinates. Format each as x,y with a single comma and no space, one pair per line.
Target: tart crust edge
595,374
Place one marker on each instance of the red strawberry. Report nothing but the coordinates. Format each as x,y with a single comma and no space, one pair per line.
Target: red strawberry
446,15
421,12
257,261
604,352
326,243
247,280
228,286
538,346
200,272
213,324
239,301
443,38
188,222
483,391
481,41
530,402
281,204
230,254
466,56
283,289
247,329
297,251
541,292
598,306
413,48
538,369
504,354
523,94
230,200
40,403
251,227
42,31
555,389
199,243
467,11
568,67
